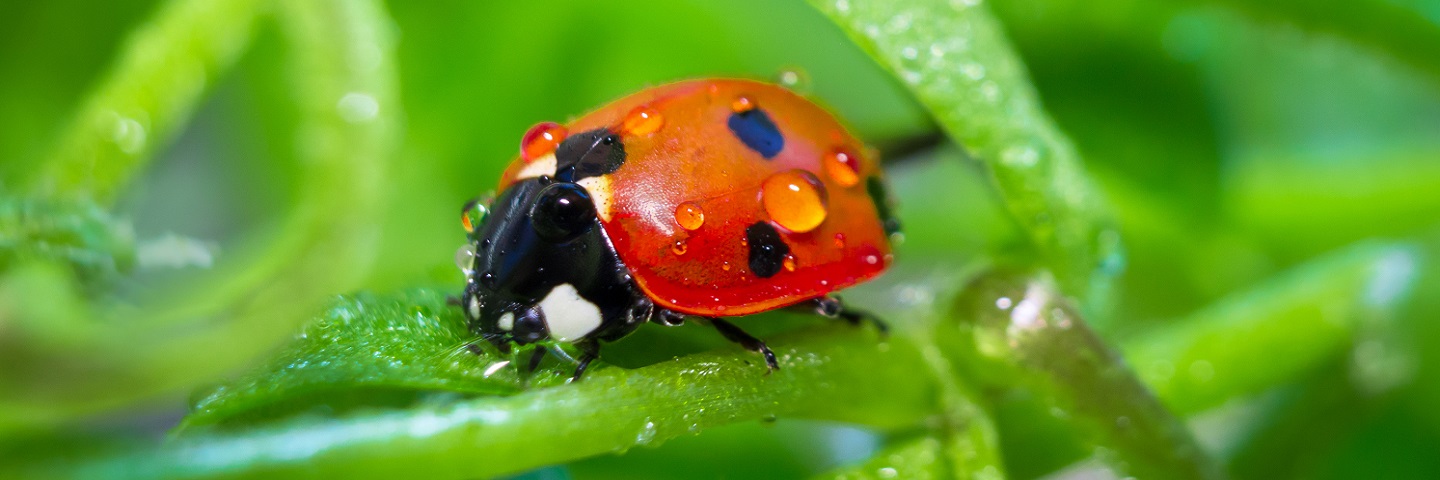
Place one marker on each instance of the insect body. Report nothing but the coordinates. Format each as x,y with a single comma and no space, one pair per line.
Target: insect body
705,198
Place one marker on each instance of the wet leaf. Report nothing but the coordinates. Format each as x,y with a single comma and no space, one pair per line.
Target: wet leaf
411,341
955,59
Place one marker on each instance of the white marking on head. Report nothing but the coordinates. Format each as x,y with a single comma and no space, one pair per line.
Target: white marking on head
599,188
541,166
507,321
475,307
568,316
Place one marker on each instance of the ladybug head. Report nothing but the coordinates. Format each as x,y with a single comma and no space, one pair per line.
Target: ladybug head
542,266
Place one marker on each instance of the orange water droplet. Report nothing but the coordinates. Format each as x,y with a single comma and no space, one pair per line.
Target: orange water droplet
689,216
541,139
742,105
789,262
843,166
725,266
795,200
839,240
643,120
679,247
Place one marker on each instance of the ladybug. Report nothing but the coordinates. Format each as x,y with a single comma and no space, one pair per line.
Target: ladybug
702,199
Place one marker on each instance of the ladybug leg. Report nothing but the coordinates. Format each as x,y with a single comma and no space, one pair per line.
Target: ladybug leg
535,357
832,307
666,317
735,334
589,351
498,341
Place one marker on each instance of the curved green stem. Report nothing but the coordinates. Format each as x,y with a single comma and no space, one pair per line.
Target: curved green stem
344,77
1015,330
162,73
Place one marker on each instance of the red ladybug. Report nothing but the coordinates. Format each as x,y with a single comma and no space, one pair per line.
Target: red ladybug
704,198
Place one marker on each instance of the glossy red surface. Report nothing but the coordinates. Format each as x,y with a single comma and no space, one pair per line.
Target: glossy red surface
693,158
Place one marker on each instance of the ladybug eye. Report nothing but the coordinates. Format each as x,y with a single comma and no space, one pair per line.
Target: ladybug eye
563,211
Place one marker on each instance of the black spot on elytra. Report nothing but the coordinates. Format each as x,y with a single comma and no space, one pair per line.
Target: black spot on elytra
881,197
754,128
589,154
767,250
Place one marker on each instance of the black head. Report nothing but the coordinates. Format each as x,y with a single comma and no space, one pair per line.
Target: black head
543,267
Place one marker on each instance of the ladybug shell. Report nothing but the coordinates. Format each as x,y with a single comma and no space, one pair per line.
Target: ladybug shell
698,158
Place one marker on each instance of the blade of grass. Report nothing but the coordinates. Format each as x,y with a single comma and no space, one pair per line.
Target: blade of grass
958,63
1260,338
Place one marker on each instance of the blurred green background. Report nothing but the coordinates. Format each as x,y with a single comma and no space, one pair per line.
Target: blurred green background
1232,142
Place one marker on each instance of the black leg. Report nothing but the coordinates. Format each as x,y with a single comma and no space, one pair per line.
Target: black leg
589,351
666,317
833,308
499,341
535,358
735,334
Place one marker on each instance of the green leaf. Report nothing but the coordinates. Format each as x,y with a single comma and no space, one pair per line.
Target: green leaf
410,341
837,373
1289,325
957,62
79,233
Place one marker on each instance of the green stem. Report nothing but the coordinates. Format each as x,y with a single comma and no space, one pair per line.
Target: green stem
162,73
1017,331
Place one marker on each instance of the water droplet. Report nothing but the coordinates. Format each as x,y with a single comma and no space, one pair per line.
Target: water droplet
128,134
794,79
541,139
872,259
474,214
679,247
887,472
1202,371
1020,156
910,53
495,368
646,435
991,91
789,262
643,120
795,200
356,107
839,240
725,266
465,258
973,70
689,216
1003,303
843,166
742,105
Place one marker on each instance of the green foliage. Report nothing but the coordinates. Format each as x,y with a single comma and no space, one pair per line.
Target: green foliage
1266,166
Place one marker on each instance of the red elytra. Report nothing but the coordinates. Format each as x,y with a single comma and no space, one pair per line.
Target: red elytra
682,156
